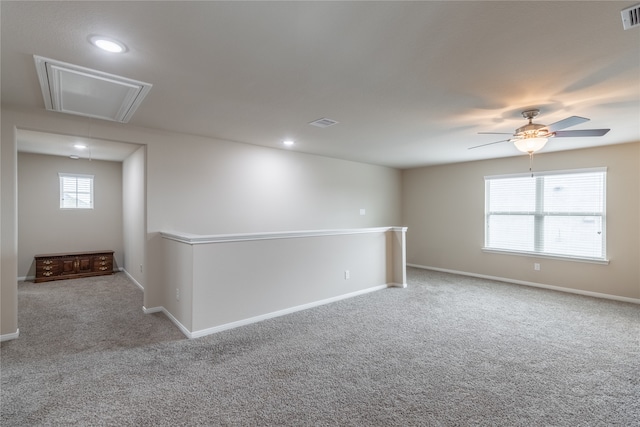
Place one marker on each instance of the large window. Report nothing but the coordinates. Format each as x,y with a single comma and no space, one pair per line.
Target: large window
76,191
553,214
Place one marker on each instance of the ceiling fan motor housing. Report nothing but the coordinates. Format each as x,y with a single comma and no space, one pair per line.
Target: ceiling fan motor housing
532,130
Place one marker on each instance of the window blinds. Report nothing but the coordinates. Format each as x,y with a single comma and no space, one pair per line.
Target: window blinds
554,213
76,191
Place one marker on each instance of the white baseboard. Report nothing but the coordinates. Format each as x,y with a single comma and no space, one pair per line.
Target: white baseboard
161,309
132,279
397,285
533,284
7,337
25,278
244,322
151,310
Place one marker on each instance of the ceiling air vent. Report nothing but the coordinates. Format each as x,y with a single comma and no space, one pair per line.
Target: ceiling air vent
323,123
631,17
72,89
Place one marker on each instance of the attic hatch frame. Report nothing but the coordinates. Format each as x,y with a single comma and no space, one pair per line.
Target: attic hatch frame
72,89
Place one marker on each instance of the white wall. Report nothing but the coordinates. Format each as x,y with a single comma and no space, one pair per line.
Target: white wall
283,273
8,232
207,186
134,214
45,228
203,186
444,209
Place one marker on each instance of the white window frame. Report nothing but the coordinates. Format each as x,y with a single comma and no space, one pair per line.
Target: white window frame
539,215
62,176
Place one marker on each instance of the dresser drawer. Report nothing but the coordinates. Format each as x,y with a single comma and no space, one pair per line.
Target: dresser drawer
73,265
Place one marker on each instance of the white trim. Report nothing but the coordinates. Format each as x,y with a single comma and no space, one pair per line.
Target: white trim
7,337
25,278
132,279
244,322
197,239
397,285
539,214
548,256
49,71
62,176
75,175
175,321
533,284
151,310
547,173
250,320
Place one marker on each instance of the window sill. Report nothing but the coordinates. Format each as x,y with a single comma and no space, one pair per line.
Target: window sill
539,255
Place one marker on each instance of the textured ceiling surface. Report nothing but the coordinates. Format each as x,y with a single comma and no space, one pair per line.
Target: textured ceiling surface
410,83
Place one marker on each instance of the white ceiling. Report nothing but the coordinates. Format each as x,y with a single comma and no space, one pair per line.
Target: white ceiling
410,83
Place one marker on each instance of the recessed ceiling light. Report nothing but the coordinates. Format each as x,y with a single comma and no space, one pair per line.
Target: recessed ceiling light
80,146
108,44
288,142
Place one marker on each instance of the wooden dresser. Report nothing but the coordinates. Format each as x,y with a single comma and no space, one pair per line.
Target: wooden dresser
71,265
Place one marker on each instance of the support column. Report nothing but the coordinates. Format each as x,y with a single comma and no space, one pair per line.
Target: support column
398,257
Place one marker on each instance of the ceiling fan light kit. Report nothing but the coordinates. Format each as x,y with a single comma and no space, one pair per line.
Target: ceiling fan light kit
532,137
530,145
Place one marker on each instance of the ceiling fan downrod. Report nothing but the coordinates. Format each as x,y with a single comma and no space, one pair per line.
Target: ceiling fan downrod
530,114
531,129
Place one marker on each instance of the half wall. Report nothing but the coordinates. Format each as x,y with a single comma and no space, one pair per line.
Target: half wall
213,283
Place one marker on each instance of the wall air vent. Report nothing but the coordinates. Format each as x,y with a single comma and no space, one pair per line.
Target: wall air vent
72,89
323,123
631,17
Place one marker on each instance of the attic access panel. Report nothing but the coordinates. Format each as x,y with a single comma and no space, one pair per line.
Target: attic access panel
72,89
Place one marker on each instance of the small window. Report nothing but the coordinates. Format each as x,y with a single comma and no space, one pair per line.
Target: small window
558,214
76,191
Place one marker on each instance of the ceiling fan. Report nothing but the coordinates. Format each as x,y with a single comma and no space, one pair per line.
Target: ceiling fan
533,136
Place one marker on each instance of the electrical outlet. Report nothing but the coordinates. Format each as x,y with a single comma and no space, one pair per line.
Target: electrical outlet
536,266
177,294
363,211
347,275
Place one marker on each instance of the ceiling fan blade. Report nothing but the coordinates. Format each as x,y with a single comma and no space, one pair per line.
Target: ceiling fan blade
495,133
578,133
491,143
565,123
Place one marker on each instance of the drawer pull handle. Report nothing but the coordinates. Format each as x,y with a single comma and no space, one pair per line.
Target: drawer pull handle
47,262
47,273
103,268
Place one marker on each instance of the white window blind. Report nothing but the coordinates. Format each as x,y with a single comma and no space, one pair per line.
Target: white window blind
76,191
554,213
